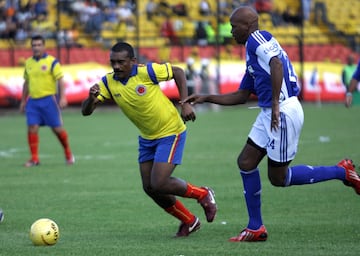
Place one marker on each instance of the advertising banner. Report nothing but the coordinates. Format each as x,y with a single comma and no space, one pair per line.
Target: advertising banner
322,81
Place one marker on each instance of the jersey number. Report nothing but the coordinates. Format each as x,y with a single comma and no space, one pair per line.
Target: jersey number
271,144
292,74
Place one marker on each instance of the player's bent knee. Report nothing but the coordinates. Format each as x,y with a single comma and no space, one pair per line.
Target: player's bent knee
277,179
277,172
277,182
245,165
148,190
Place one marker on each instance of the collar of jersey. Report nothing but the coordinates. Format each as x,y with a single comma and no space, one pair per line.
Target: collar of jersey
44,56
125,80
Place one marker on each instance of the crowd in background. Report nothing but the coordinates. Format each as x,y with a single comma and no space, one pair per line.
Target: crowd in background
20,20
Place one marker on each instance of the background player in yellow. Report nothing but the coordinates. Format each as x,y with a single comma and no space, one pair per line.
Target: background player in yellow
135,89
43,96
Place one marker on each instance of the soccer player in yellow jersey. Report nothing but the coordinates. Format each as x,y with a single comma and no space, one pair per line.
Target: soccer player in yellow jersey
43,83
135,89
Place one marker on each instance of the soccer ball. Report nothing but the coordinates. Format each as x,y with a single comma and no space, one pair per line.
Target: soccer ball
44,232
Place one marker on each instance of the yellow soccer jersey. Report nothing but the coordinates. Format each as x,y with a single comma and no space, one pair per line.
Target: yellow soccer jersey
41,75
142,100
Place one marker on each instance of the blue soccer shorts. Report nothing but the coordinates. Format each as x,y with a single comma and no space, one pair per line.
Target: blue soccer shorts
164,150
43,111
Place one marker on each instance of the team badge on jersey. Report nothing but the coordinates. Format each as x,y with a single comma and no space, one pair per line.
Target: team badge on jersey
43,67
140,90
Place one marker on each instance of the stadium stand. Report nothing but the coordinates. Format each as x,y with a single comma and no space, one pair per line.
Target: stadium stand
331,40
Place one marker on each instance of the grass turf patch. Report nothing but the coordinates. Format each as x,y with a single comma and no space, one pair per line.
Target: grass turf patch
101,209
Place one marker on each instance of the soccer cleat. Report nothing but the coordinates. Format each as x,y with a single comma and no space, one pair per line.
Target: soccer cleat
351,177
209,204
187,229
70,160
248,235
31,163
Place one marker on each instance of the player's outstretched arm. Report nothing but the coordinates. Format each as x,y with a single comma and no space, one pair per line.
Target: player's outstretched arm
234,98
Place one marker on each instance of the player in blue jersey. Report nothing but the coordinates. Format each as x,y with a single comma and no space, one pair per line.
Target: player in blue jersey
355,80
135,89
275,133
43,96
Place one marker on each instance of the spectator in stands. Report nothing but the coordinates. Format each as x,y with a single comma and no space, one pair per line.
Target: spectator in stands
65,6
192,77
130,4
83,11
93,26
41,8
205,8
167,30
320,13
8,25
43,26
22,33
164,9
200,34
150,9
126,15
24,16
290,16
2,8
353,86
225,31
224,8
210,33
205,76
207,83
3,32
69,37
306,9
180,9
110,14
263,6
348,71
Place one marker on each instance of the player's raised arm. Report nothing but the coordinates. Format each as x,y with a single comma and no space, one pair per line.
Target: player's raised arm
89,104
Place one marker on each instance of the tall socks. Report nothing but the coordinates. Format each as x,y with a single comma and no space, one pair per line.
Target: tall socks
252,193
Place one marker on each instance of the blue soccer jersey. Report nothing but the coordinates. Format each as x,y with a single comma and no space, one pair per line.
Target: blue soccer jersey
356,75
260,48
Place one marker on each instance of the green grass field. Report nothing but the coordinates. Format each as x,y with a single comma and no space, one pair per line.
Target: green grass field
101,209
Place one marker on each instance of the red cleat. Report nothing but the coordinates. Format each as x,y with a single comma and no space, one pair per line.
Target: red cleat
351,177
248,235
187,229
31,163
209,205
70,160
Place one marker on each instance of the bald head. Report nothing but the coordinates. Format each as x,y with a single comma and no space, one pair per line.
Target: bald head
244,13
244,20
